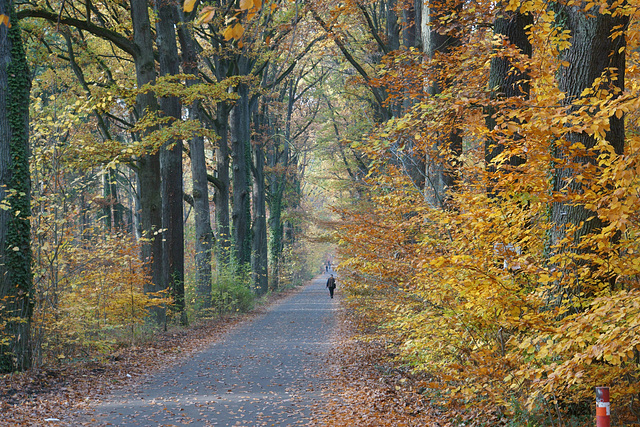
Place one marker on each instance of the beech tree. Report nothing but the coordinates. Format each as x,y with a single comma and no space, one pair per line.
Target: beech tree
204,239
593,66
16,302
241,155
506,81
439,41
149,164
171,160
252,44
151,176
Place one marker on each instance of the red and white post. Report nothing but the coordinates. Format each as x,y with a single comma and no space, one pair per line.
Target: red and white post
603,409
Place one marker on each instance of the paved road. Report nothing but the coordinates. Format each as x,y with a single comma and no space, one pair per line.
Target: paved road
264,372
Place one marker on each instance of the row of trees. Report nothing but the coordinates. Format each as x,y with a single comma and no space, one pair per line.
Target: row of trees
146,118
493,230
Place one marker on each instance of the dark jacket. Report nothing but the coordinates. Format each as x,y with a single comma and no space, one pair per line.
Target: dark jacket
331,282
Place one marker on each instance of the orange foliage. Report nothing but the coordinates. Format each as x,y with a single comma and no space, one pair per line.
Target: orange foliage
475,294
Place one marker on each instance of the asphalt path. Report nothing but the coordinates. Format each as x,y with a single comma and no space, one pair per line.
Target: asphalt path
266,371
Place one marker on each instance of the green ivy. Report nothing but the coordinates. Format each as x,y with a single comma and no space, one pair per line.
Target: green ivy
18,241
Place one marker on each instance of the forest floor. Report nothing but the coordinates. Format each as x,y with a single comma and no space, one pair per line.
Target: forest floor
346,380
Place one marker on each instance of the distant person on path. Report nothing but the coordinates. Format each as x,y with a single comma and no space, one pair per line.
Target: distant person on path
331,284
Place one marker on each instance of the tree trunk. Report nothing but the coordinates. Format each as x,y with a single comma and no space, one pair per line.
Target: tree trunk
409,25
149,164
279,163
222,193
393,27
506,82
171,161
593,53
16,278
204,234
275,229
241,145
259,242
441,169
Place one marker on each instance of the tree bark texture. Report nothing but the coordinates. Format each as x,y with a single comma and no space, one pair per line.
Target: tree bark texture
171,160
241,155
393,26
16,279
279,163
149,165
593,53
202,213
505,81
223,217
260,248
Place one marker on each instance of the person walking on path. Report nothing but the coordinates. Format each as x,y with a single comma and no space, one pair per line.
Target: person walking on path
331,284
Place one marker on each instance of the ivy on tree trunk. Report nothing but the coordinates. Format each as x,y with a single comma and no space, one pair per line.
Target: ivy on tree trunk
16,304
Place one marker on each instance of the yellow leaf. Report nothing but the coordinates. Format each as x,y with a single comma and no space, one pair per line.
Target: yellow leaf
228,33
619,114
4,20
246,4
238,31
189,5
206,15
544,352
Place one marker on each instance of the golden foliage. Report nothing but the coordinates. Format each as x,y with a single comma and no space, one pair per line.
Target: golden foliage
477,294
91,296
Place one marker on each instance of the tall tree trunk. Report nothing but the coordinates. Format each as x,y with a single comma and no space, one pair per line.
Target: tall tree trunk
505,81
594,53
241,154
279,163
16,278
393,26
149,165
441,169
171,160
409,30
259,242
204,234
276,193
223,223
